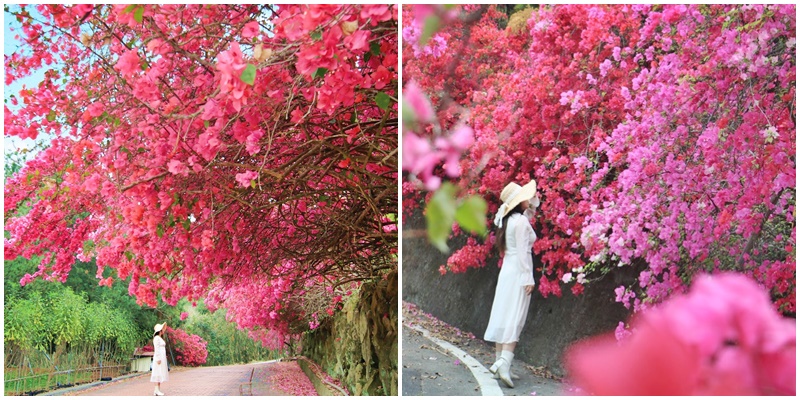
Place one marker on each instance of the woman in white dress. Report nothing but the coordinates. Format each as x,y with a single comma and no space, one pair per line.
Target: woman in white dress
160,370
515,284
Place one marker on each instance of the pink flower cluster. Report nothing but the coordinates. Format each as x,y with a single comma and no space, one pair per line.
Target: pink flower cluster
230,65
436,46
246,178
722,338
190,350
463,257
143,188
289,378
611,125
420,156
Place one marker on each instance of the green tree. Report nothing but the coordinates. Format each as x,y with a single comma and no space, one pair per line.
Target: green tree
23,322
226,344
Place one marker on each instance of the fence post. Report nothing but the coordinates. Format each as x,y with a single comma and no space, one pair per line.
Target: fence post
102,347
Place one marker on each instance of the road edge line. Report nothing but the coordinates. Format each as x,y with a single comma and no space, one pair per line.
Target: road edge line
488,386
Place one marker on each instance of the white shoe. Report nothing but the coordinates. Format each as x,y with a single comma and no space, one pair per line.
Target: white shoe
497,355
157,393
505,375
504,369
513,375
496,367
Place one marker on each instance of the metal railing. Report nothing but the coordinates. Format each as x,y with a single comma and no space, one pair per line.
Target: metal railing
37,383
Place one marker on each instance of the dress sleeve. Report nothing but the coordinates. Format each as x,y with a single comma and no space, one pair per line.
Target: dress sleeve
530,212
156,350
524,236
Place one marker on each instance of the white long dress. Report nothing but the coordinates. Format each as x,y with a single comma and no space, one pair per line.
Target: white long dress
510,305
160,371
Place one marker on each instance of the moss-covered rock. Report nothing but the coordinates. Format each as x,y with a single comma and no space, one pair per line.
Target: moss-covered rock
358,345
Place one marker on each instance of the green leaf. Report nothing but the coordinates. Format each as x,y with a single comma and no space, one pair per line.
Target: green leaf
375,48
129,8
320,72
51,116
391,217
432,24
316,35
383,100
471,215
439,214
159,230
139,14
249,74
409,117
186,224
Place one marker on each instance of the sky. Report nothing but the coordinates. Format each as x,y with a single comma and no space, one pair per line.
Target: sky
9,46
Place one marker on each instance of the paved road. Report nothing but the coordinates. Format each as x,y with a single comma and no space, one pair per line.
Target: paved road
202,381
430,370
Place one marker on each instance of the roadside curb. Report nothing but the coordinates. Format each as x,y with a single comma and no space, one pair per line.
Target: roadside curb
324,388
61,392
487,385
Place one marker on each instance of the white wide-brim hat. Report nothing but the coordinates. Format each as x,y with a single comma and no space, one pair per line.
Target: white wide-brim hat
511,196
158,327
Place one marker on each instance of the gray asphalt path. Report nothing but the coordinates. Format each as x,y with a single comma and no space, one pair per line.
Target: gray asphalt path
183,381
430,370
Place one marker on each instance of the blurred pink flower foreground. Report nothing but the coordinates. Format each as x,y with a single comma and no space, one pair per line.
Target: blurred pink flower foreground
722,338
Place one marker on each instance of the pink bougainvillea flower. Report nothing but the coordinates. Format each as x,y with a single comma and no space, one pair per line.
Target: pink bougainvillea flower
418,102
129,63
178,168
184,315
381,77
96,109
190,350
253,138
358,41
377,12
230,64
92,183
420,158
289,378
246,178
156,152
250,30
451,148
719,339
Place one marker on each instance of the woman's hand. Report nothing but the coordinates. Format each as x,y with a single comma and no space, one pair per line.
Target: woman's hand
158,362
529,289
